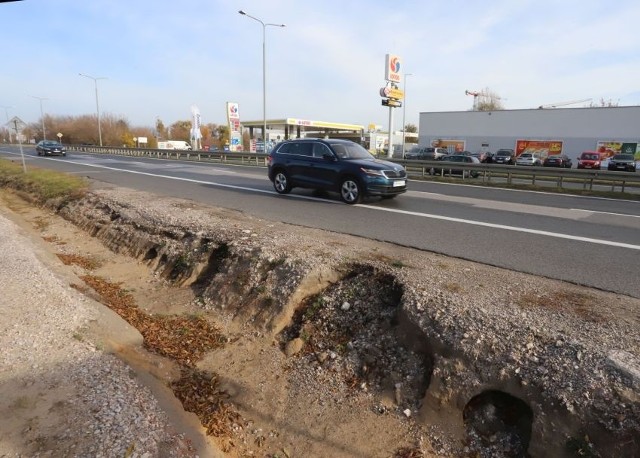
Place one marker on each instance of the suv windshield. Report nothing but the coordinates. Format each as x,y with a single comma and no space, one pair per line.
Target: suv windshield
350,151
503,153
623,157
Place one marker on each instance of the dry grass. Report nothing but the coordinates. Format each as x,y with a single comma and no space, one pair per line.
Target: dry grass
453,287
577,303
408,452
185,339
77,260
199,393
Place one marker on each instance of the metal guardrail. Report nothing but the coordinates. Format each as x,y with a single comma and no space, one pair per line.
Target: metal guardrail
248,158
487,172
619,181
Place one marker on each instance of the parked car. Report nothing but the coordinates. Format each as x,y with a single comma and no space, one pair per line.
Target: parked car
590,160
449,163
558,160
426,153
532,159
482,156
505,156
50,148
624,162
334,165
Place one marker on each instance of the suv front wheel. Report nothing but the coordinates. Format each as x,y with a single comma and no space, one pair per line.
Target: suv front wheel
281,183
350,191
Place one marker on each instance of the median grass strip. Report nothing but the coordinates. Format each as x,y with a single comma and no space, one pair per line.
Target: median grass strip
41,183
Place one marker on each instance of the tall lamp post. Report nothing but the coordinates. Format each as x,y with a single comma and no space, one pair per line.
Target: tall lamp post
404,112
6,112
264,74
95,82
44,134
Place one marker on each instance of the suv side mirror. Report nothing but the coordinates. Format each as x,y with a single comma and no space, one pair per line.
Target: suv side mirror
328,157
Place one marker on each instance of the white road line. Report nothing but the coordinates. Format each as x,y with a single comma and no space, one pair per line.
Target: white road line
390,210
509,228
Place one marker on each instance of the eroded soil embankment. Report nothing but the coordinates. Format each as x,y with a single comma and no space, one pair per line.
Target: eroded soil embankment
509,365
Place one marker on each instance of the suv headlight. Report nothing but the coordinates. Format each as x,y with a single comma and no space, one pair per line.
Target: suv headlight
377,173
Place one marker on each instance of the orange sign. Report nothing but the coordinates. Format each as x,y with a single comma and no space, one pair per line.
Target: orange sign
450,144
543,147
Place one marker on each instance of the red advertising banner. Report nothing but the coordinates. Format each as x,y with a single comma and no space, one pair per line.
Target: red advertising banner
450,144
543,147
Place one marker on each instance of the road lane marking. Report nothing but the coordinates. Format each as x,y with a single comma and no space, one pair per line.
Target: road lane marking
390,210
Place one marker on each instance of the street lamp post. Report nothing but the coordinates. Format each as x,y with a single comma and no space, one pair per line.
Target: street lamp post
264,74
95,82
44,135
404,112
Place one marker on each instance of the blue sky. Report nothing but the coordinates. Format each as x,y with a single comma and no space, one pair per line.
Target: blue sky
161,57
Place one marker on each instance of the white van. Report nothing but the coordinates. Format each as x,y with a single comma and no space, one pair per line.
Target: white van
174,144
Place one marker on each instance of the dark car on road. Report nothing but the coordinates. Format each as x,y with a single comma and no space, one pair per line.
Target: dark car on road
558,160
449,166
504,156
623,162
50,148
334,165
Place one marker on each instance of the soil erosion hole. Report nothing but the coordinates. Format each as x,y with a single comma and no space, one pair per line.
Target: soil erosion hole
499,421
353,327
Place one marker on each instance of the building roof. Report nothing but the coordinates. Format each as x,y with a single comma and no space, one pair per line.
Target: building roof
305,124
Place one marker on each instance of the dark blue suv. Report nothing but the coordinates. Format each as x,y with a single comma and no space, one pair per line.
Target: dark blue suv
334,165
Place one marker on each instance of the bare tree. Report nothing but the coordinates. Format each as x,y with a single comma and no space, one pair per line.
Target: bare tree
489,100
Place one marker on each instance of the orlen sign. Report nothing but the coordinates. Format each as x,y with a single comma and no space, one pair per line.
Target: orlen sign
393,68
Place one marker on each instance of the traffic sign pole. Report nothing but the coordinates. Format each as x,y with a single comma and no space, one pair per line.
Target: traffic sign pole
18,124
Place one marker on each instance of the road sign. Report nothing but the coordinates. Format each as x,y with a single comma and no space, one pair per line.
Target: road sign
395,93
391,103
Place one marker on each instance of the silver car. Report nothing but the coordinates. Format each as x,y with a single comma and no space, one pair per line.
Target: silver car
529,159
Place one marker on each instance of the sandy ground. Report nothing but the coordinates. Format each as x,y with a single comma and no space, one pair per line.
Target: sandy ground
281,419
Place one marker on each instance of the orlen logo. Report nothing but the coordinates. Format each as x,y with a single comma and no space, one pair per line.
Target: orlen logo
394,64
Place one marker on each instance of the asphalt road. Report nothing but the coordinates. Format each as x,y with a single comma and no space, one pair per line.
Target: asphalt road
588,241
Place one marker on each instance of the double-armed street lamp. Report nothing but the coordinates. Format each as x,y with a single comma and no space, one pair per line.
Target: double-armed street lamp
264,74
44,134
95,81
404,112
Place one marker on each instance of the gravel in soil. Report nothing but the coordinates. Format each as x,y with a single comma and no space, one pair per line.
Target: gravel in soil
377,342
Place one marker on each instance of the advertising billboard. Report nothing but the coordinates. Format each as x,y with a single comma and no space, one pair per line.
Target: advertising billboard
393,67
233,119
609,148
450,144
543,148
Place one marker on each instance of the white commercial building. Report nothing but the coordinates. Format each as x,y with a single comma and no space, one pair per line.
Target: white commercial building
546,130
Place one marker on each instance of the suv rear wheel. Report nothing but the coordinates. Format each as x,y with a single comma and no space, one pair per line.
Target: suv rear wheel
350,191
281,183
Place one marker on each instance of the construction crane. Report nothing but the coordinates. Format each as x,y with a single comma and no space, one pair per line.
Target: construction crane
562,104
477,94
475,98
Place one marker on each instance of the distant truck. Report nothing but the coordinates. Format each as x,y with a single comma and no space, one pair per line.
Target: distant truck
174,144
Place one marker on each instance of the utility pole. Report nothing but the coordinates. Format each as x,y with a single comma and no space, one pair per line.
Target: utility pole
44,134
6,112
